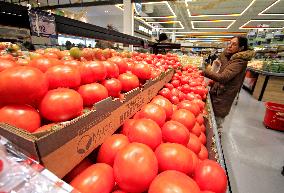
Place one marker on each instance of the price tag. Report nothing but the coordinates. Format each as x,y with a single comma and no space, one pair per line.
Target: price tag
42,24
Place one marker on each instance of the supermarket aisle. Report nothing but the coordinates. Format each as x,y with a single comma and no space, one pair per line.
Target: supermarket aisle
254,155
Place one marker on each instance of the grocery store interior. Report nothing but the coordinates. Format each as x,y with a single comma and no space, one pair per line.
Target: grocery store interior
136,96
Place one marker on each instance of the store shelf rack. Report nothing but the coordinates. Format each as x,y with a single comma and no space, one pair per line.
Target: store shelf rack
17,16
214,145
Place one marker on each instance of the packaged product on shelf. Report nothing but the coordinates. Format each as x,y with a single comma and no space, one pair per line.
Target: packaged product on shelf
19,173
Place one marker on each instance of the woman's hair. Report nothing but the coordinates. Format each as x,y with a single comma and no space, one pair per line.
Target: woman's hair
243,42
163,37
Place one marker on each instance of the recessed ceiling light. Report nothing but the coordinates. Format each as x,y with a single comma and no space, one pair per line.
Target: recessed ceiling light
266,9
256,27
169,22
222,15
153,3
214,21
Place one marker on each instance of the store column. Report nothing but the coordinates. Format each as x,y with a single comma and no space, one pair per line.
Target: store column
128,19
174,36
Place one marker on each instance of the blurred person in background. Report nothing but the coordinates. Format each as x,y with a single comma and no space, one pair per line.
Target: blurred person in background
228,78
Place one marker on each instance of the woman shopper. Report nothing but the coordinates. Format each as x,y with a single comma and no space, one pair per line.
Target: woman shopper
227,81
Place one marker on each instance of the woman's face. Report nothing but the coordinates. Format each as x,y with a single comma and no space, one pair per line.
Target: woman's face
233,46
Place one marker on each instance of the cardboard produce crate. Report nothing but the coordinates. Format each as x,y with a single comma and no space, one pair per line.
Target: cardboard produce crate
61,149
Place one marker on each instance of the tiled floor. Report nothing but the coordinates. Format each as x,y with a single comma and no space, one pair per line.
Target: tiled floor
254,155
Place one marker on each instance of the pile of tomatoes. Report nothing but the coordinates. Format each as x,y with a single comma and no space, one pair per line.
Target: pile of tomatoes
51,86
160,150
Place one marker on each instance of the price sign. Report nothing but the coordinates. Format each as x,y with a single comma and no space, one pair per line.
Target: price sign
42,24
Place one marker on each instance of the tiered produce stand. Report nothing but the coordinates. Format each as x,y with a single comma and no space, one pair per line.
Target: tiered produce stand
68,142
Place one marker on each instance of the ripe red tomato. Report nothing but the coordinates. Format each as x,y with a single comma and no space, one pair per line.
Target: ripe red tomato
154,112
173,156
203,153
202,127
120,62
175,83
169,86
113,87
165,92
175,132
111,68
142,70
110,147
63,76
127,125
84,164
145,131
175,92
22,85
155,73
73,63
135,166
44,63
128,81
174,99
200,119
188,105
165,104
4,64
92,71
200,103
194,143
50,55
119,191
195,161
7,57
61,104
92,93
44,128
97,178
202,138
190,96
207,192
196,130
173,181
174,108
87,53
210,176
22,116
185,117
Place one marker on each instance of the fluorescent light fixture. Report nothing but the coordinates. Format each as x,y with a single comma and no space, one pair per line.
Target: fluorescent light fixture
243,26
214,21
169,22
201,36
153,3
162,2
266,9
223,15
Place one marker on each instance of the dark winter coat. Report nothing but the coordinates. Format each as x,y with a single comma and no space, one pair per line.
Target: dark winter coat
228,81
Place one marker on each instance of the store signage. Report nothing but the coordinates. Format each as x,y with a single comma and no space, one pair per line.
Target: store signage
42,24
142,28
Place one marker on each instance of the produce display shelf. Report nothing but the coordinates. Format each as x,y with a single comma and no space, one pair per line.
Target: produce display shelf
266,72
214,142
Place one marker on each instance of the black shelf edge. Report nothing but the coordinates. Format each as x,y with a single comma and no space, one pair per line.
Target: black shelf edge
17,16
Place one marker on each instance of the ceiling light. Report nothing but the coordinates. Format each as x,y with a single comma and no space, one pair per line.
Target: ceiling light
169,22
222,15
208,21
253,27
266,9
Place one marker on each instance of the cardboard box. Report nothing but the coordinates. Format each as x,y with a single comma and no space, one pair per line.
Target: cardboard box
61,149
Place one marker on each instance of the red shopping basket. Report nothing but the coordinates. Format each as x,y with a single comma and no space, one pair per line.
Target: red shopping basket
274,116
